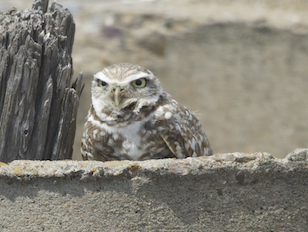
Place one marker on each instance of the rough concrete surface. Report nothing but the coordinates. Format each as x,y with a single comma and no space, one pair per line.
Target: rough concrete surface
225,192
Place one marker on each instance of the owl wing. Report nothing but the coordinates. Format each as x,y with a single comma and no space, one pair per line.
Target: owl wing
182,133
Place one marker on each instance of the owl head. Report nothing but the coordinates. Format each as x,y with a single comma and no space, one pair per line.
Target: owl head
124,86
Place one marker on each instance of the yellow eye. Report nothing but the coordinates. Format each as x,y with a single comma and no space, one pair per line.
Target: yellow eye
101,83
140,83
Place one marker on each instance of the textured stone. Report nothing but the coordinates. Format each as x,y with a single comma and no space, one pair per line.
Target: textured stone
225,192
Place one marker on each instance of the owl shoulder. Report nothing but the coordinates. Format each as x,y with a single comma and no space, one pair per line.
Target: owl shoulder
169,110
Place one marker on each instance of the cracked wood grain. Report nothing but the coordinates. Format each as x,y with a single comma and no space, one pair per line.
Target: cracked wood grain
38,105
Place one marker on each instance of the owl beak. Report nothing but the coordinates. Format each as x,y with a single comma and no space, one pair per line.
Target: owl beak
117,95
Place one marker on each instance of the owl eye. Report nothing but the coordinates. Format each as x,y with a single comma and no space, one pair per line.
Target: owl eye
140,83
101,83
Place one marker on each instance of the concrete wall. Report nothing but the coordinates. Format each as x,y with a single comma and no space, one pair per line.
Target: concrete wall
247,83
225,192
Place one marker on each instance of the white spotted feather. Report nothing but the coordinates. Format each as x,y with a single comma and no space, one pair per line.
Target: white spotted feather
138,122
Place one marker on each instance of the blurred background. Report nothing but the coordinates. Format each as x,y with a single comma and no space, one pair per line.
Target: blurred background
240,65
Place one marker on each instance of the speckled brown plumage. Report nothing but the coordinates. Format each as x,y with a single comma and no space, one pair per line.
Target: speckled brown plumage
131,117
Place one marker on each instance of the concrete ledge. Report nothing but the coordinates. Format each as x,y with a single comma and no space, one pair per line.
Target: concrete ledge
225,192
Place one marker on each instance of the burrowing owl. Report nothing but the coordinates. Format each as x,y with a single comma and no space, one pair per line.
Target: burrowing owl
132,117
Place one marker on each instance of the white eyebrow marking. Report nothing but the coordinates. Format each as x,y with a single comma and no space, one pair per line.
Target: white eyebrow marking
101,76
136,76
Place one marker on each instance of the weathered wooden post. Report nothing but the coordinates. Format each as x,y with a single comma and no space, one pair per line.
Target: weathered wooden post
38,106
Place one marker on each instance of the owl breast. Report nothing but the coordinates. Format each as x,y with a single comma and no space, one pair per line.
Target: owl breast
137,140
